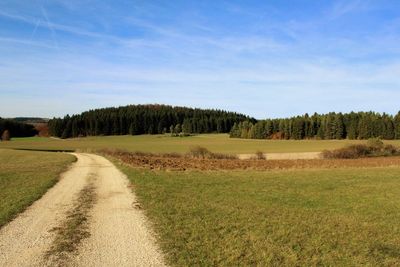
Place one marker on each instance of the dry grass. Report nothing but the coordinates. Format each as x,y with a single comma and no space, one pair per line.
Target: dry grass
373,148
74,229
199,152
163,162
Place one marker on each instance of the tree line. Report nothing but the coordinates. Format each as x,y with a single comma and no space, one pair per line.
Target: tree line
16,129
145,119
360,125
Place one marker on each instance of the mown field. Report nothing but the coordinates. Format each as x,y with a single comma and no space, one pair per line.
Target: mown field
25,176
330,214
317,217
220,143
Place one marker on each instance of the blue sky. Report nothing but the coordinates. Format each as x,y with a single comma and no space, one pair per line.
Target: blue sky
263,58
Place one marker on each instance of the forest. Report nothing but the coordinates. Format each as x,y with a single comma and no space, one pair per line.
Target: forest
16,129
145,119
360,125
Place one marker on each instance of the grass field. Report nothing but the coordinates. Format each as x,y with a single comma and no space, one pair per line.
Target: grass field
220,143
25,176
298,217
342,217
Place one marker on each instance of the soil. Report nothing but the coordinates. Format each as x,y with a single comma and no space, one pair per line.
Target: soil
165,162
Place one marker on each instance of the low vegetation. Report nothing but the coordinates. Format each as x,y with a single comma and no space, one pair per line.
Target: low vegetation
341,217
374,148
260,155
75,227
178,162
25,176
199,152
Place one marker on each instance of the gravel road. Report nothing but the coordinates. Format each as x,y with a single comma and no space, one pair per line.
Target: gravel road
119,230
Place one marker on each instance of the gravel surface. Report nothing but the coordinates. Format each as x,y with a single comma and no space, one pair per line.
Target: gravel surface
119,231
280,156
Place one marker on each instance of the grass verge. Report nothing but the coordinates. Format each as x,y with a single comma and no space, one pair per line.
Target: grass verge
25,176
341,217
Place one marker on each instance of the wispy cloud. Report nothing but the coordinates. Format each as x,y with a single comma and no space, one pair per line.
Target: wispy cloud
264,59
341,8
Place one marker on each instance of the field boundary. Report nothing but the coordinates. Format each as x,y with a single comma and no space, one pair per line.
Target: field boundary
159,162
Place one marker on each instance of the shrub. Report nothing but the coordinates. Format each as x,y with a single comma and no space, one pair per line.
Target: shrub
204,153
6,136
349,152
373,148
375,144
260,155
199,152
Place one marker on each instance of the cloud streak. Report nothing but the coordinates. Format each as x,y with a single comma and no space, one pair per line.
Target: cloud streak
266,59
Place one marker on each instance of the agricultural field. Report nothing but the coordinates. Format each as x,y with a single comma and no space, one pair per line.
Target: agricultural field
25,176
219,143
222,211
313,217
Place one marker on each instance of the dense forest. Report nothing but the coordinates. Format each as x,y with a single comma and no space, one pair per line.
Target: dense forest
16,129
361,125
145,119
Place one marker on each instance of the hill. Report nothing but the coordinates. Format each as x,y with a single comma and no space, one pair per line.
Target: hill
145,119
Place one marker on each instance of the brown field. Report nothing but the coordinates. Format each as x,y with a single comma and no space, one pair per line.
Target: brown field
179,163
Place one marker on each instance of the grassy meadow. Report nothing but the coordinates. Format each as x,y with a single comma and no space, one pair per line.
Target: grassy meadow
341,217
25,176
219,143
298,217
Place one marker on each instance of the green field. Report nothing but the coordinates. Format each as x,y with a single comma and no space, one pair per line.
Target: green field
25,176
315,217
220,143
303,217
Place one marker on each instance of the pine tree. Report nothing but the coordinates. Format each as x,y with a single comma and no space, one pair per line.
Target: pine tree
178,129
339,125
131,129
235,131
397,126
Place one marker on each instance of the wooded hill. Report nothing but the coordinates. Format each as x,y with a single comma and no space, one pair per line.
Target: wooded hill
145,119
361,125
16,129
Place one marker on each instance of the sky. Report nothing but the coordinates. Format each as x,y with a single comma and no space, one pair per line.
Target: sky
267,59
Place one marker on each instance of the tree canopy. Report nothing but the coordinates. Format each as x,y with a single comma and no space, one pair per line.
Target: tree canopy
145,119
360,125
16,129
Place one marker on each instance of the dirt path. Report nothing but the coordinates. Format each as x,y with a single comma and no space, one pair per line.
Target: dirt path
279,156
119,234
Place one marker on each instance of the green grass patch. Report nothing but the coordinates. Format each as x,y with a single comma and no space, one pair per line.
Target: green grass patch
217,143
344,217
25,176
